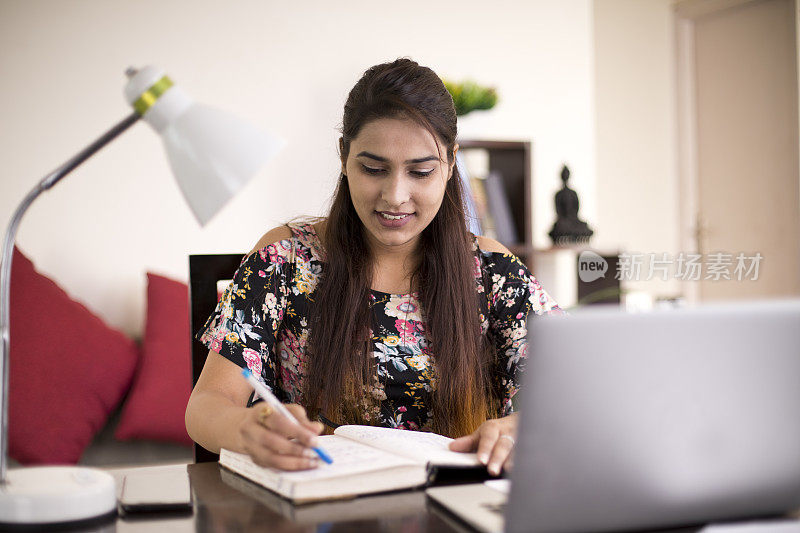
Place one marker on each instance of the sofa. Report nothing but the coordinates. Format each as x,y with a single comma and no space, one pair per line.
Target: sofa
81,392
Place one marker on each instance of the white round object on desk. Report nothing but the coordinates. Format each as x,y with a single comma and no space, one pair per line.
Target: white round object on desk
56,494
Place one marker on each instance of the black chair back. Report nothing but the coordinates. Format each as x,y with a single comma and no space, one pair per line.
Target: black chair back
204,273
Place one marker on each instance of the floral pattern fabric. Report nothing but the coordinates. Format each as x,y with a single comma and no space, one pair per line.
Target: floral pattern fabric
261,323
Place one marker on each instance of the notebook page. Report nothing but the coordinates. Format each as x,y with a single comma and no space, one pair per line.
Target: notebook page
348,458
417,445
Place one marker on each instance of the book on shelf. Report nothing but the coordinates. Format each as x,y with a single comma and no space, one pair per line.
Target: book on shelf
473,219
482,207
366,460
500,208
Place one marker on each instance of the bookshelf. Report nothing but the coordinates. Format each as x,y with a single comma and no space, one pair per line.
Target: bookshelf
556,267
512,161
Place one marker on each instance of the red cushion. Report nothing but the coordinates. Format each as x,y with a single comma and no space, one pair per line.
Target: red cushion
68,370
157,402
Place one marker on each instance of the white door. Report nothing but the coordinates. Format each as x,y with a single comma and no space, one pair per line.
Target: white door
744,185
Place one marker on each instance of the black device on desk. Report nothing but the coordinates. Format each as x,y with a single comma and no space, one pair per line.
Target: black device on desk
166,491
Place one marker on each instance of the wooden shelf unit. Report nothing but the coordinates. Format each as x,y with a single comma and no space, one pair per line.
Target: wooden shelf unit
512,159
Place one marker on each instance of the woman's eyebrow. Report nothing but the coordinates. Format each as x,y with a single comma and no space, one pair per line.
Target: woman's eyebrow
407,162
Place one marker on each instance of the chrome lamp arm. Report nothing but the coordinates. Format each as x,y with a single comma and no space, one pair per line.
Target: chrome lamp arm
5,267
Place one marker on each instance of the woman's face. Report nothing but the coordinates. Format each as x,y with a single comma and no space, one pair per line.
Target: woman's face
396,180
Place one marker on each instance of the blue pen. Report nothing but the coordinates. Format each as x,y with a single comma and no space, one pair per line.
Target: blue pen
270,398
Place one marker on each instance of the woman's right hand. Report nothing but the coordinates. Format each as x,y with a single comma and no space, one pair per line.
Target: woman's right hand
270,439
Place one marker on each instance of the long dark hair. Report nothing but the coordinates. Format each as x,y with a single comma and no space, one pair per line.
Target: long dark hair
341,373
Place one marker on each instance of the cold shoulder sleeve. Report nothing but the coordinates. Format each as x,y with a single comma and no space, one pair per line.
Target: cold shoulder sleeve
514,295
245,323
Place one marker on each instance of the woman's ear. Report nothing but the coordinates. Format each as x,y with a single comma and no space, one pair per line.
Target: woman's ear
341,156
453,163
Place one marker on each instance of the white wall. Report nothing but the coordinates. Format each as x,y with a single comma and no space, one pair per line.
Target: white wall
636,140
285,67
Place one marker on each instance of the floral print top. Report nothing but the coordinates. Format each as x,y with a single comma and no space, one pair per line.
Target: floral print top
261,323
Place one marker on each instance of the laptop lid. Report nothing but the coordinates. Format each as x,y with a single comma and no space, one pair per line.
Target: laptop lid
659,419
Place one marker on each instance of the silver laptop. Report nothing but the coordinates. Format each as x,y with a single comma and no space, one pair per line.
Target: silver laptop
633,421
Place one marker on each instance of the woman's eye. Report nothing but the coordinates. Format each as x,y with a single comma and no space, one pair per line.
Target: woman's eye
371,170
422,173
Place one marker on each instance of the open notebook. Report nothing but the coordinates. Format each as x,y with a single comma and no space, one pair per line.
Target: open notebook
366,460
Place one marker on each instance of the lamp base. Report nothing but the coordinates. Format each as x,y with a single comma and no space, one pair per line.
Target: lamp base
51,495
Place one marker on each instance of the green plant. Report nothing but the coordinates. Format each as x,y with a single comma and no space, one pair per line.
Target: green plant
469,96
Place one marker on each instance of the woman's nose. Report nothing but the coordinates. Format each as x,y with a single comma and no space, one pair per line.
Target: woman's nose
395,190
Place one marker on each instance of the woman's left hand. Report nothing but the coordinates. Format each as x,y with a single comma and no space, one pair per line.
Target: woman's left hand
493,441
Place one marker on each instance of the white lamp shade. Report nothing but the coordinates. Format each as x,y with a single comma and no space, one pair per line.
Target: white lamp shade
213,154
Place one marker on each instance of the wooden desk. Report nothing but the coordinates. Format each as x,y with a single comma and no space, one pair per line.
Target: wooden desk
226,502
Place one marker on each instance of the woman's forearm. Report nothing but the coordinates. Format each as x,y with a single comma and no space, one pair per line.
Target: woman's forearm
213,421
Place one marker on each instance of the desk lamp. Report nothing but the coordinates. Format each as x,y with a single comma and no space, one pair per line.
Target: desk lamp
212,156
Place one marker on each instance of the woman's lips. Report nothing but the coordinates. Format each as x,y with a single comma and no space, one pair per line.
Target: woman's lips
389,219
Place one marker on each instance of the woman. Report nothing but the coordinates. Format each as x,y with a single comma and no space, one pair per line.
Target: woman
387,312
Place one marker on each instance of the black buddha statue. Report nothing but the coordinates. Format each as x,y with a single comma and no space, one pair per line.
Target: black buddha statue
568,229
